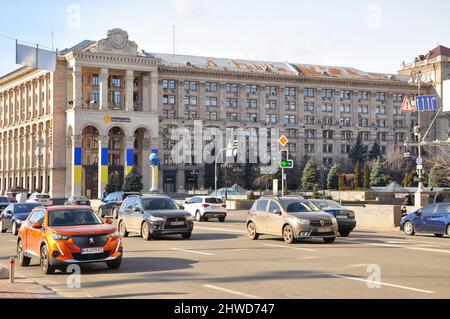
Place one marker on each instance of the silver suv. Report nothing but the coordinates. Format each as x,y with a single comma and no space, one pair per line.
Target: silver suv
154,215
291,218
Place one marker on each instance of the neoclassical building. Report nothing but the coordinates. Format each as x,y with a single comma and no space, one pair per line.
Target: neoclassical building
108,104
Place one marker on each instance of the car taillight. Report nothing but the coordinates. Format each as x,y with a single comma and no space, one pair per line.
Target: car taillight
205,205
224,206
88,203
14,201
36,200
75,202
120,203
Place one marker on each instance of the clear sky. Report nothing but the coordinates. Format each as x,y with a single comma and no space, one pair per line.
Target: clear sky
369,35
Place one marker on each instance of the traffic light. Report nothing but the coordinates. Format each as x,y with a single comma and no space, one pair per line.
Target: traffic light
286,162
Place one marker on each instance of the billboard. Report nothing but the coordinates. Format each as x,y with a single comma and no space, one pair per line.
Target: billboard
446,96
35,57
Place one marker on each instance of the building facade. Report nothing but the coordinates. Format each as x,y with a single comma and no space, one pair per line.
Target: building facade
108,104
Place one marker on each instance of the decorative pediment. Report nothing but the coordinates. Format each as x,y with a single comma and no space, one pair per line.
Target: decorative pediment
116,42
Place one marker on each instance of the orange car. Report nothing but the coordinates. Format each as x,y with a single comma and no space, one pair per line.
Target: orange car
62,235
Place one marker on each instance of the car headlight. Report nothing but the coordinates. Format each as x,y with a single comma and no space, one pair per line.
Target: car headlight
303,221
157,219
189,217
115,235
59,237
334,220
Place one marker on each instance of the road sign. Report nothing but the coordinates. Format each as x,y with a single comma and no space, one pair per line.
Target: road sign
426,103
407,105
419,161
283,140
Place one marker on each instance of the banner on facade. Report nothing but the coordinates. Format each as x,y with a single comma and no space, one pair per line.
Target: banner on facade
35,57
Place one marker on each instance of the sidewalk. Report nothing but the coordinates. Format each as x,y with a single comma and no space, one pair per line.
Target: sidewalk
24,289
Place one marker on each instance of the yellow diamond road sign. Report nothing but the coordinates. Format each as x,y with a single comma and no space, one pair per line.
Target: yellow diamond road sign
283,140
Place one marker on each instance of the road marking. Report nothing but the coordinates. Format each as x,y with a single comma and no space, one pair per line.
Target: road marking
193,251
396,242
395,246
233,292
222,230
295,248
384,284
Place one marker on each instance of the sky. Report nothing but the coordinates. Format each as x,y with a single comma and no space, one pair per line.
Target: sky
372,35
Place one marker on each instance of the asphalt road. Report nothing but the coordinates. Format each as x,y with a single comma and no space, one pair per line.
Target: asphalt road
221,262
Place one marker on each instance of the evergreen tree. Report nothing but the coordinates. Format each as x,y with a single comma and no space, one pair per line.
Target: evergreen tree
333,177
357,181
375,151
133,181
439,176
113,183
377,177
311,176
342,182
358,152
366,178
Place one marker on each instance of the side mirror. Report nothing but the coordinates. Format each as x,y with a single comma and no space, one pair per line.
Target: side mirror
136,209
8,213
182,207
277,212
37,225
419,212
108,221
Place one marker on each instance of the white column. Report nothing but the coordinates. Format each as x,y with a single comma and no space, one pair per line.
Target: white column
146,93
32,100
14,105
38,105
154,92
77,87
46,99
103,81
25,105
129,79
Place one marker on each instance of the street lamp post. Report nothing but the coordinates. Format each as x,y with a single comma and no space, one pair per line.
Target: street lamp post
215,165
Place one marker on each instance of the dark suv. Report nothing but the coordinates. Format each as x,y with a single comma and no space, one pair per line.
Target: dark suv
111,203
154,215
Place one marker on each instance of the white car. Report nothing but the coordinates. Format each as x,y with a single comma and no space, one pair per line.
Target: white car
44,199
206,207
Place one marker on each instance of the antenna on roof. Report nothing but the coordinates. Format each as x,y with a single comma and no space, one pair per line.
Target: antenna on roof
173,33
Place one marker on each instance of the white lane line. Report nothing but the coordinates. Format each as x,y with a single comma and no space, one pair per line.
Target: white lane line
193,252
233,292
295,248
221,230
384,284
395,246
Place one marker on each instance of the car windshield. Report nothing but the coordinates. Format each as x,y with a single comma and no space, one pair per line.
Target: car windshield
24,208
80,198
298,207
64,218
159,204
5,200
326,204
213,201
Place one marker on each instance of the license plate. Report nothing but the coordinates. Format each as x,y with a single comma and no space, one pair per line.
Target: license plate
324,230
341,217
177,223
90,251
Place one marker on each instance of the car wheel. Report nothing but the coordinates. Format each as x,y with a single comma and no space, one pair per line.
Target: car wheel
145,231
329,240
198,216
114,264
115,213
408,228
46,266
439,235
23,260
123,229
344,233
2,230
14,230
186,235
288,234
252,234
222,219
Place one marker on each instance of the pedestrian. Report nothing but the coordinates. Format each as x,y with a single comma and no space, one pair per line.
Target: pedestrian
439,197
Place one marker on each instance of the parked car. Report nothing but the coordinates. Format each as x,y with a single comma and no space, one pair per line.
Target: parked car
5,201
77,201
64,235
205,207
111,203
44,199
13,216
345,217
290,218
432,219
154,215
